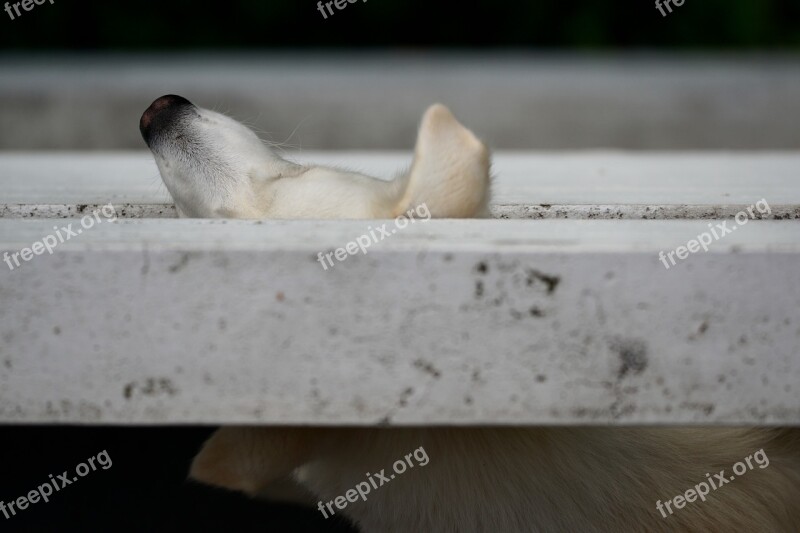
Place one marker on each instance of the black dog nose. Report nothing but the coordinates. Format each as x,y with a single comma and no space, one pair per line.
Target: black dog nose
161,113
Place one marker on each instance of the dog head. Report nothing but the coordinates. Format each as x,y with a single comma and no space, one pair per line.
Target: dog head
216,167
208,161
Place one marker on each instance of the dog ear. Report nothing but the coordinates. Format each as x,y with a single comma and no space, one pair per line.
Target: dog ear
248,459
450,173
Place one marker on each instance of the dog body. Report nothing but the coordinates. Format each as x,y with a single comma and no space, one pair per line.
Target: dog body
478,479
515,480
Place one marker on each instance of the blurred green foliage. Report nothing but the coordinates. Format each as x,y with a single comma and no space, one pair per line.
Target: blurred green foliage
583,24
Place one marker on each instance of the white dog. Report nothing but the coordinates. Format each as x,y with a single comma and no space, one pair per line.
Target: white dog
214,167
474,479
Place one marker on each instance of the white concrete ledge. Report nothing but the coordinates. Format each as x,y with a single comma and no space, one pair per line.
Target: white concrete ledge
609,185
446,322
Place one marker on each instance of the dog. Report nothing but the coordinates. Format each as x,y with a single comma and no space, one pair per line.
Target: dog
474,480
215,167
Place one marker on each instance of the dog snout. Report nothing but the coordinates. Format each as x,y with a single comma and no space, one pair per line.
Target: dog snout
161,114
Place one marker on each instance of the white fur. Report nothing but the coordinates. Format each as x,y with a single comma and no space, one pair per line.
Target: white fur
214,166
523,479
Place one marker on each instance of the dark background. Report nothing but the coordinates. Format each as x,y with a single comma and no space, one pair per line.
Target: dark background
144,490
578,24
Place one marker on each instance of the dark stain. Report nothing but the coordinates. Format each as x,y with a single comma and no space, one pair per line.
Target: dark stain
700,331
632,354
478,289
150,387
705,408
180,265
482,268
536,312
743,340
57,330
468,400
428,368
541,378
550,282
403,401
